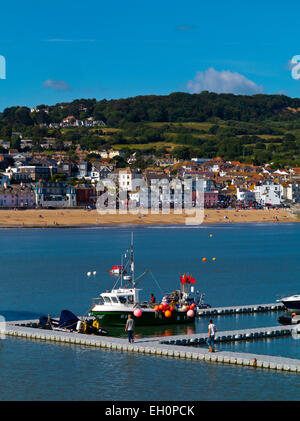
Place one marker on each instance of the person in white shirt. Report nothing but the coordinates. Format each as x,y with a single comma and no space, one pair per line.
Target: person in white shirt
211,336
130,329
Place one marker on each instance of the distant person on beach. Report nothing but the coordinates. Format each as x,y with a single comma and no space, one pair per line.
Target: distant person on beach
211,336
130,329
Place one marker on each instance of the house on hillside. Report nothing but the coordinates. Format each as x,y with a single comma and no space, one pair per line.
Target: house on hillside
84,168
68,121
111,154
100,172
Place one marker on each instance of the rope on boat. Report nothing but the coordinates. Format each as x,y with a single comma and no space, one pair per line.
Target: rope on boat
156,282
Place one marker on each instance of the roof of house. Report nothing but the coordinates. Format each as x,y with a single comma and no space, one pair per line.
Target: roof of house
16,189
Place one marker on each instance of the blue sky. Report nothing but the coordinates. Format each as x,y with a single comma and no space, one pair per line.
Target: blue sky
63,50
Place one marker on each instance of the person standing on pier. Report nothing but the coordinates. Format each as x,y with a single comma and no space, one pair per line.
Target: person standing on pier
130,328
211,336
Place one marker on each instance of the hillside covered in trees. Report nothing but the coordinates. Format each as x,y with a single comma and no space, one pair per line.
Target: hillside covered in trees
257,129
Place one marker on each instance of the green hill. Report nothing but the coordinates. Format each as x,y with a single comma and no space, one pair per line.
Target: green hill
258,128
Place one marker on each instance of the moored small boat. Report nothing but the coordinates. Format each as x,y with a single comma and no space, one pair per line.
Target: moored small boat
112,307
68,322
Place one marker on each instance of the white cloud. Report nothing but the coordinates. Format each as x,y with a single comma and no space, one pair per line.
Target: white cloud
57,85
224,81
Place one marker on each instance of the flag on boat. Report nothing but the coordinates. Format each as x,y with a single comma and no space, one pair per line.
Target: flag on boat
183,279
187,279
192,280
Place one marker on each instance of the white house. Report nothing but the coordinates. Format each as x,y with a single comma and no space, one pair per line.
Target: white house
268,193
100,172
126,177
111,154
244,195
290,192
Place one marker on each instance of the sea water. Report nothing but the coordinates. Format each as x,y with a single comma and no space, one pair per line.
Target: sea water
45,271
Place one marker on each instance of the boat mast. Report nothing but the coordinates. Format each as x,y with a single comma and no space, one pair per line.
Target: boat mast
122,271
132,262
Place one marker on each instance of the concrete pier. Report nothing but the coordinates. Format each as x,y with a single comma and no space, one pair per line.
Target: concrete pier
159,347
232,335
251,308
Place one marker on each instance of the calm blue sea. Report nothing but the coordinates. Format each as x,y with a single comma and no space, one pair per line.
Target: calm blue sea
44,271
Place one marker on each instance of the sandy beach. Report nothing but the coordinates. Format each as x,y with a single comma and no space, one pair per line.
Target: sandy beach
82,217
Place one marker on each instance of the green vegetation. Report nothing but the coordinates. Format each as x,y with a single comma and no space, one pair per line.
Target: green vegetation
253,129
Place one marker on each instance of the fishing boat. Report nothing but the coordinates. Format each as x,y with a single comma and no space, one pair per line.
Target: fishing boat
112,307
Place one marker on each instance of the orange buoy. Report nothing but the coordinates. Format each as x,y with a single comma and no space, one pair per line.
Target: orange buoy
161,307
204,259
168,313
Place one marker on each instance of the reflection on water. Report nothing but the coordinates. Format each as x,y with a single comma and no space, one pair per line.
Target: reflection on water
229,322
154,331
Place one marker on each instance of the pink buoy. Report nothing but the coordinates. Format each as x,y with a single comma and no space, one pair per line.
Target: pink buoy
137,312
190,313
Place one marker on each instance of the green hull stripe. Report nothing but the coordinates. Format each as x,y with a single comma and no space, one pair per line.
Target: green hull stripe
119,318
